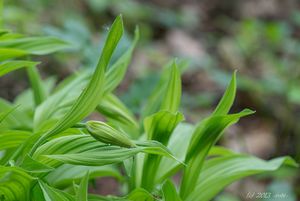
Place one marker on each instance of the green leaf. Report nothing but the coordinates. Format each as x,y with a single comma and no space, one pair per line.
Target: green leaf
171,100
102,156
161,125
137,194
158,127
52,194
205,136
66,174
168,76
107,155
85,150
33,166
36,85
15,183
4,115
221,171
9,66
10,53
92,94
140,194
65,145
59,103
12,138
178,145
118,115
12,118
117,71
82,194
170,192
107,134
228,98
35,45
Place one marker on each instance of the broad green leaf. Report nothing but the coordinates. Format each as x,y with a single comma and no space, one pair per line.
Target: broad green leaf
65,145
140,194
228,98
172,96
14,119
35,45
178,145
94,197
113,108
25,99
36,84
12,138
5,114
97,157
82,194
92,94
118,115
155,100
10,53
15,183
221,171
108,155
219,151
85,150
58,104
117,71
8,35
204,137
52,194
170,192
158,127
107,134
64,175
9,66
3,31
137,194
33,166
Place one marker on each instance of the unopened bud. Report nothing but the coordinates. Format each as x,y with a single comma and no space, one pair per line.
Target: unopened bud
107,134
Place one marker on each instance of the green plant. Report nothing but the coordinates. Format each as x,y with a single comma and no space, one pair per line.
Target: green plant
50,151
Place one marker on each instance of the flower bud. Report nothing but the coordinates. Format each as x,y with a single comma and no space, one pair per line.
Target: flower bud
107,134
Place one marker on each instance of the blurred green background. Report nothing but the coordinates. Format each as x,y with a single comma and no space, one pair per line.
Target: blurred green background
259,38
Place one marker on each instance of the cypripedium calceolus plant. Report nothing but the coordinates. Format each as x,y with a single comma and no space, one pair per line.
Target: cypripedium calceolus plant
49,151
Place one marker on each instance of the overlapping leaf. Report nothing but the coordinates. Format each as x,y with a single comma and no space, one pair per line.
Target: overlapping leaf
15,183
118,115
221,171
170,192
9,66
39,93
155,100
66,174
92,94
34,45
82,193
12,138
205,136
52,194
85,150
